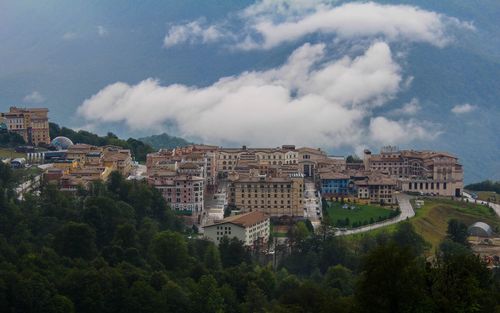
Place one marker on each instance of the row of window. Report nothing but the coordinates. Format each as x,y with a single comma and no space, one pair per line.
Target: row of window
426,185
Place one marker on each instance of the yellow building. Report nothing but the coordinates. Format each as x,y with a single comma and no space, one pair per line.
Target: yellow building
31,123
276,196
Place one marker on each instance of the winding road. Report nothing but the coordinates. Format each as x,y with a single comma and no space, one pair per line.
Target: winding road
406,212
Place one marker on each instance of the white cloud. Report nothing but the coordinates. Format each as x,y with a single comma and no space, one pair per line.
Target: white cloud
191,32
308,101
34,97
463,108
268,24
385,131
409,108
69,36
102,31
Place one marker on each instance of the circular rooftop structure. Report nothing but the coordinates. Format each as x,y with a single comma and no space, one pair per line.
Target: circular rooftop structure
61,143
480,229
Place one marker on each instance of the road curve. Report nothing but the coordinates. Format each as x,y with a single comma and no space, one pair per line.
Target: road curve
406,212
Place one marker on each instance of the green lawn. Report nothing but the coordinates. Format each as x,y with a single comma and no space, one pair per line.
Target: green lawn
431,221
10,153
362,214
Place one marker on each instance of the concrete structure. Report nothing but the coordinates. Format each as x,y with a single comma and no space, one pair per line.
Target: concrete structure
251,228
31,123
419,171
276,196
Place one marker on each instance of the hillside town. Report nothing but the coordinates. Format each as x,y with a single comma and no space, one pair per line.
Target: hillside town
208,185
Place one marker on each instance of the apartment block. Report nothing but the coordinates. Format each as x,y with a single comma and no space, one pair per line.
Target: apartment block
276,196
31,123
182,192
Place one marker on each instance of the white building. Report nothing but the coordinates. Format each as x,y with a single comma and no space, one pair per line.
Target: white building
251,228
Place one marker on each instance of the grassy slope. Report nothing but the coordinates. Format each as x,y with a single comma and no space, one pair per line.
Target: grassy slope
10,153
360,214
431,221
488,196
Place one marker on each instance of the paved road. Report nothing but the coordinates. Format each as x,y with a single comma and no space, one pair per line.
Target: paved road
311,204
406,212
494,206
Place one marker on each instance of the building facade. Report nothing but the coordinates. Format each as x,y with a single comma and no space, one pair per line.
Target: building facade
276,196
252,228
419,171
31,123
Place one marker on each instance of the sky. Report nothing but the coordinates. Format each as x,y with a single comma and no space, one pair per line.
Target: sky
340,75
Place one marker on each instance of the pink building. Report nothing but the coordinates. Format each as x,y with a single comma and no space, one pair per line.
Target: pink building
182,192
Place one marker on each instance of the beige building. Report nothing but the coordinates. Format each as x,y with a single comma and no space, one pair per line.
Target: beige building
377,189
276,196
31,123
419,171
251,228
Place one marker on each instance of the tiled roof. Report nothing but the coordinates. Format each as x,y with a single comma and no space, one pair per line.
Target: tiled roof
245,220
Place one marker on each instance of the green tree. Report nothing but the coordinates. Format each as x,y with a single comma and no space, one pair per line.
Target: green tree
233,252
75,240
406,237
461,283
255,300
170,249
212,258
457,232
341,278
141,298
392,280
126,236
207,297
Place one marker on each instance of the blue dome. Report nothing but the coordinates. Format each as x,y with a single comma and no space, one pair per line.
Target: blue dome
61,143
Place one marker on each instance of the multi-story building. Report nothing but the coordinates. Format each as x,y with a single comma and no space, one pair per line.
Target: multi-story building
419,171
229,158
277,196
335,184
252,228
118,158
31,123
182,192
308,161
376,189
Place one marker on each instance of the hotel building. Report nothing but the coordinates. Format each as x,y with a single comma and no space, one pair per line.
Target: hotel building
31,123
419,171
276,196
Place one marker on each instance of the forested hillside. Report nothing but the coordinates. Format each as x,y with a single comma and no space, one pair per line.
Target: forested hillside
165,141
139,149
118,248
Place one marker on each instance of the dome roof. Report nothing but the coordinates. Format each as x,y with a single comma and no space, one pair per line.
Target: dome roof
480,229
61,143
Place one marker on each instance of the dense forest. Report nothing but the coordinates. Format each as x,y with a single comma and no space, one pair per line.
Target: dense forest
165,141
139,149
119,248
486,185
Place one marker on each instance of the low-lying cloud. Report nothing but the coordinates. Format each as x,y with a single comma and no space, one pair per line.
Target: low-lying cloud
309,100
